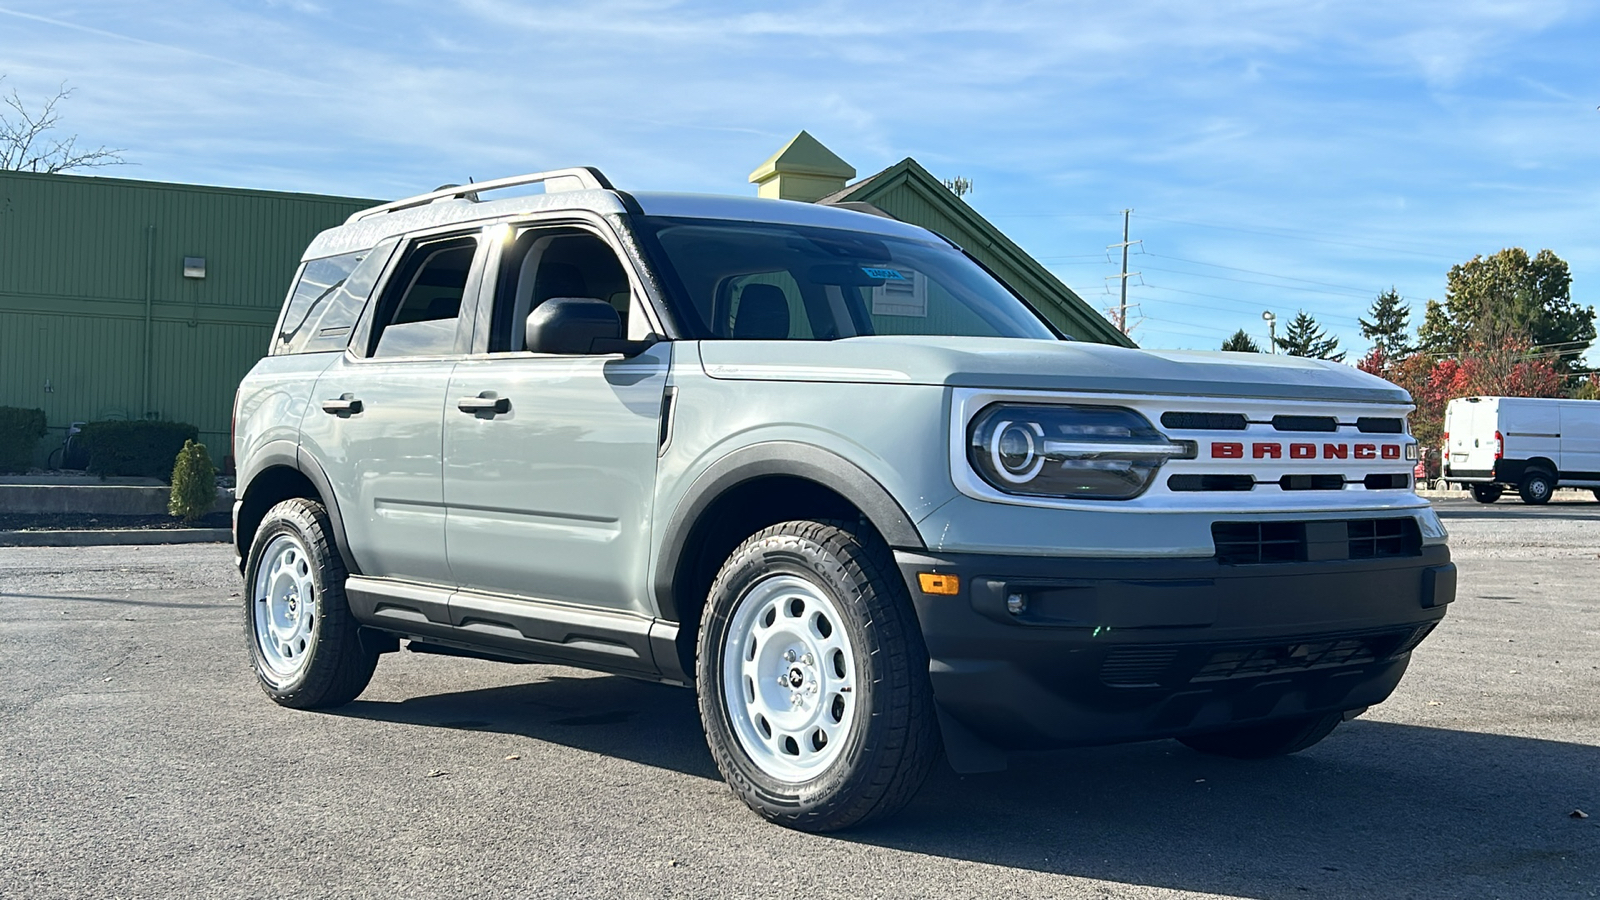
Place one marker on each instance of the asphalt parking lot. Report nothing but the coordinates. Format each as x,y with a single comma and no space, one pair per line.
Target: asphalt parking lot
140,760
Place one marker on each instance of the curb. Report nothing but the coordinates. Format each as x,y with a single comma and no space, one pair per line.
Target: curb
115,537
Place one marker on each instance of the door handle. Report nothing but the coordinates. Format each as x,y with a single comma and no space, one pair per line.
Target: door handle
343,407
484,406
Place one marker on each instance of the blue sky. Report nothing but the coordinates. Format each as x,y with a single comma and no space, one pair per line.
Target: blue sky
1277,155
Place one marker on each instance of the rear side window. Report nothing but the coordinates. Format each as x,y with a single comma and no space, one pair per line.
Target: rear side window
327,299
422,304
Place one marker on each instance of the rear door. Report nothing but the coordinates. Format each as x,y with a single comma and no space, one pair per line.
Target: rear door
550,461
1470,424
376,416
1580,440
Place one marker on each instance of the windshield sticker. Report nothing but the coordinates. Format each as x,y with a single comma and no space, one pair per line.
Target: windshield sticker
885,274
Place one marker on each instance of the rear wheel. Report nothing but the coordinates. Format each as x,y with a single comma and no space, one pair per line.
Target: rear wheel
813,678
1536,488
1266,740
304,644
1486,493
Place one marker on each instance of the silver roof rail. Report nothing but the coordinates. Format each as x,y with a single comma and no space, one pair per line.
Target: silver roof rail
582,178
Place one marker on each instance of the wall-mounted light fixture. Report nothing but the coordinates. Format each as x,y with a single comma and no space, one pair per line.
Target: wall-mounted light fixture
194,267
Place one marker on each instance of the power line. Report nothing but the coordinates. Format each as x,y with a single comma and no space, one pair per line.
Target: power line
1159,287
1362,291
1282,287
1296,237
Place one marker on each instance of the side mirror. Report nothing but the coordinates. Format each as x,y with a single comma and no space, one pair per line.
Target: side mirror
573,325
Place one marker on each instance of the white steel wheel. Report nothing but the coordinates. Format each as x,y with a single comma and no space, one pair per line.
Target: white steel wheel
284,606
813,677
788,677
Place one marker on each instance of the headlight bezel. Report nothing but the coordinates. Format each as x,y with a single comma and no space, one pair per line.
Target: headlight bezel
1099,452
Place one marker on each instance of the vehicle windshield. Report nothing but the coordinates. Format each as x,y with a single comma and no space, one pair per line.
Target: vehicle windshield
766,281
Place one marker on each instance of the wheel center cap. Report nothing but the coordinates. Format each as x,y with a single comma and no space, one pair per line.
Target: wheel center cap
796,677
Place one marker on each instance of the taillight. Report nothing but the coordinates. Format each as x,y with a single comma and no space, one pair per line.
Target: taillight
1499,445
1447,446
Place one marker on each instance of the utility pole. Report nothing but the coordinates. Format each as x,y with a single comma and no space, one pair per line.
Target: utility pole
1122,306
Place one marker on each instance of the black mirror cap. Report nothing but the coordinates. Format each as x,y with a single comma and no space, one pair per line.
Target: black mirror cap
573,325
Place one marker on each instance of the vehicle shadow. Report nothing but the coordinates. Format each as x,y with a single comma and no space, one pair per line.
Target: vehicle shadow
1377,809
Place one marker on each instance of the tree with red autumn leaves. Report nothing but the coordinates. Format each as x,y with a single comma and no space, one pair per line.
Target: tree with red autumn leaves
1504,370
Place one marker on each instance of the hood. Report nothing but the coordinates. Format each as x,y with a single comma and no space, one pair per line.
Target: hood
1018,364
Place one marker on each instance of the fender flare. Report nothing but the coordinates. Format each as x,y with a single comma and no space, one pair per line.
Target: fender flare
788,458
290,455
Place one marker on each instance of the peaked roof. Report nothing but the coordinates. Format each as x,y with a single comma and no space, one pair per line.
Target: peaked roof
908,192
804,155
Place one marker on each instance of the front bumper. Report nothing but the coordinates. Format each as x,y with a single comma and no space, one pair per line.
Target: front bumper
1112,650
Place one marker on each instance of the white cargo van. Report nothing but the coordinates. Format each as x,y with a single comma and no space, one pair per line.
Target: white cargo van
1533,445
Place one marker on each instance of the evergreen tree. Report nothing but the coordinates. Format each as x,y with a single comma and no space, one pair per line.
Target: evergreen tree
1304,337
1241,343
1391,322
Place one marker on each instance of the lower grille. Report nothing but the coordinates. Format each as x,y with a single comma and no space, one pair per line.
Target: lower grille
1136,667
1287,658
1259,543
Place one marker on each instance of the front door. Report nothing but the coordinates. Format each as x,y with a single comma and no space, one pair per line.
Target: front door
376,418
550,461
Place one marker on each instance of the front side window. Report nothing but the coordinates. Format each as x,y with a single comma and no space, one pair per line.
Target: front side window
549,262
765,281
421,306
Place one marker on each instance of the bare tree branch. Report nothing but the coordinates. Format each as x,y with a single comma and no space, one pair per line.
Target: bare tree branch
27,145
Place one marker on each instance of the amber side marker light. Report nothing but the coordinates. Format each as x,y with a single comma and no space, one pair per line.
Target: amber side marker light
932,583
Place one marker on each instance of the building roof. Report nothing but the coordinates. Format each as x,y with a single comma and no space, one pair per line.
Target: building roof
908,192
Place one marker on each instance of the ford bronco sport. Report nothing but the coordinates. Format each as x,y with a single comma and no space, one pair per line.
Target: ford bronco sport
826,469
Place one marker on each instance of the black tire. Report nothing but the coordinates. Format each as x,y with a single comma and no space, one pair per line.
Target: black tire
1486,493
337,665
1536,488
892,740
1266,740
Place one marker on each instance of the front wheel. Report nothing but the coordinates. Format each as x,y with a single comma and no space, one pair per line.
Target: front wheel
813,678
1537,487
1486,493
304,643
1266,740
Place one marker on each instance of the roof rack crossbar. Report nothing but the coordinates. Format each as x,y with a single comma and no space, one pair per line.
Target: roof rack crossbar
580,178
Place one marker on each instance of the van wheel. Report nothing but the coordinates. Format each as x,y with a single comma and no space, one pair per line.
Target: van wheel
1267,740
1536,487
813,678
1486,493
304,643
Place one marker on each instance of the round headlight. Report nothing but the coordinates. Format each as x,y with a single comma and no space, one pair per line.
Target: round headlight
1089,452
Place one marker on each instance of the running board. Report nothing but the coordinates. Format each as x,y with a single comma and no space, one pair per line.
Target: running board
513,629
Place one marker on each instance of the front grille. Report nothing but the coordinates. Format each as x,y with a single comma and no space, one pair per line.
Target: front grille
1312,482
1371,425
1261,543
1381,538
1305,423
1387,482
1210,483
1204,421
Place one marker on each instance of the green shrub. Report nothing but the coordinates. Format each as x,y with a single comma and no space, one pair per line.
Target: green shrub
135,448
194,483
20,430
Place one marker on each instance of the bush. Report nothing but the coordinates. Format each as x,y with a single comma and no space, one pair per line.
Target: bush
20,430
136,448
194,483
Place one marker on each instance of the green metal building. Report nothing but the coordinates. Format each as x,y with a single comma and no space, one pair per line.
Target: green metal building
134,299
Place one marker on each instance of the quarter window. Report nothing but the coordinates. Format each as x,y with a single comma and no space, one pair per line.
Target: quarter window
327,299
